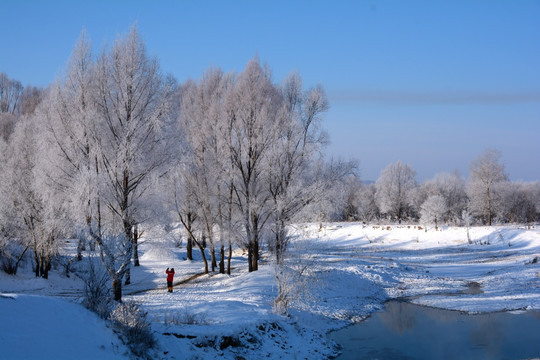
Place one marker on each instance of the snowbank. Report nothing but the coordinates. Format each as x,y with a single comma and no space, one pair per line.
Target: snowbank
39,327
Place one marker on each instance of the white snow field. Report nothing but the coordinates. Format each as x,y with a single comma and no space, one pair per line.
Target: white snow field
355,269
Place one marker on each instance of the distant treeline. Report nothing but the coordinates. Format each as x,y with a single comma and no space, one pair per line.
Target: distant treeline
486,197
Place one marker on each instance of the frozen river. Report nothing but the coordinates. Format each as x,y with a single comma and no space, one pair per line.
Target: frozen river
407,331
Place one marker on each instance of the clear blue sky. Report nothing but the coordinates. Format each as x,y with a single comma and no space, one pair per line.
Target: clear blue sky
430,83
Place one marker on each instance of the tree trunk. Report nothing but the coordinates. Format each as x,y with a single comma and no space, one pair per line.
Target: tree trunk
80,247
488,198
36,260
45,267
136,246
203,257
250,257
222,259
255,255
117,289
128,276
19,259
128,229
255,258
190,237
213,256
278,249
189,248
253,236
229,259
229,222
187,226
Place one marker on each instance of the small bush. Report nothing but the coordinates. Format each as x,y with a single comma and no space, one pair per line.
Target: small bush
8,265
185,318
97,293
11,255
134,327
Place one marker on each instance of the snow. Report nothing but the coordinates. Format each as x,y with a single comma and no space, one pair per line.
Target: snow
39,327
355,269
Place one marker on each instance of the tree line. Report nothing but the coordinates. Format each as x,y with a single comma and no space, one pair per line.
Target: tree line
486,197
115,145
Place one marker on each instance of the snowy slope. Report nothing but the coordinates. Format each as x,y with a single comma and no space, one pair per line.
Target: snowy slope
39,327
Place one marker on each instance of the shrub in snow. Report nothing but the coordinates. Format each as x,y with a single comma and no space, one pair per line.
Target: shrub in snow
134,327
292,276
97,293
183,317
11,255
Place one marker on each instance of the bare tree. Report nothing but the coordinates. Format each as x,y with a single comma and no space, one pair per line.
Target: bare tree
393,189
486,172
7,125
30,98
10,93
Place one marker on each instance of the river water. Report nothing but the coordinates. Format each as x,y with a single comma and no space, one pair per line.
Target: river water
408,331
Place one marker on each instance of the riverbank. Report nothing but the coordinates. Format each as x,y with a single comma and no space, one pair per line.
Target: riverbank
352,270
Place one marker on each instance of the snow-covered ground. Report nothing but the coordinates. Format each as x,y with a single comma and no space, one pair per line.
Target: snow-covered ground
355,269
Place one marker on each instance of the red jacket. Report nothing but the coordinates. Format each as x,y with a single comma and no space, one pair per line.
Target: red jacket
170,275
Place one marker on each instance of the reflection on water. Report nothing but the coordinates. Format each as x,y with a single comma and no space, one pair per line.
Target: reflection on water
407,331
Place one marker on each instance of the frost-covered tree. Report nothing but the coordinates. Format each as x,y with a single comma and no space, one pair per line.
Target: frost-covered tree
31,202
433,210
71,125
13,247
294,178
182,202
107,120
133,106
518,202
328,201
365,203
203,124
351,194
393,190
486,173
254,116
451,186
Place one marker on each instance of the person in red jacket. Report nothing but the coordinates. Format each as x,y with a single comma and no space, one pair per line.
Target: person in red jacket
170,276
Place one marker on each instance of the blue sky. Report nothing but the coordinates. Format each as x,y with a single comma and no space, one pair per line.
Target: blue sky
430,83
